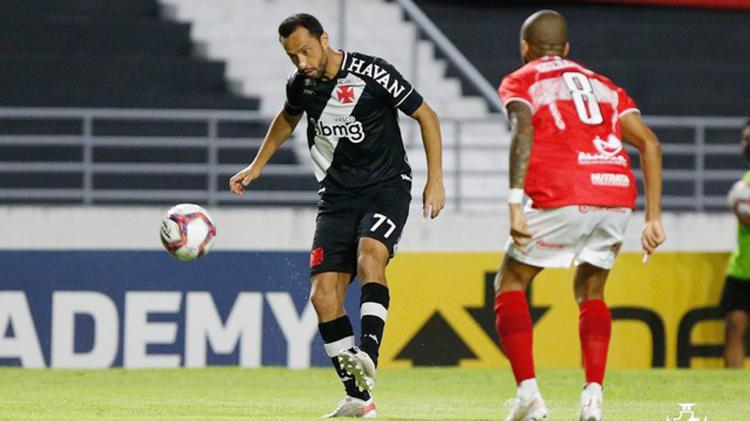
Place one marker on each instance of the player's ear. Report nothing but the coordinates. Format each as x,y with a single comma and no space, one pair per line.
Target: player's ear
324,40
525,49
566,49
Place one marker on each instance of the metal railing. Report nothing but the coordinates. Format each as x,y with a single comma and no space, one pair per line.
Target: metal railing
89,168
697,147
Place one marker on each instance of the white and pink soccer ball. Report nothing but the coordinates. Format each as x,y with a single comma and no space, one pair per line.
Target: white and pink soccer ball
739,198
187,231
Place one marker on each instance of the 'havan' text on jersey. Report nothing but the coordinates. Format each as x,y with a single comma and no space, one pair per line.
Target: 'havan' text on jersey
353,132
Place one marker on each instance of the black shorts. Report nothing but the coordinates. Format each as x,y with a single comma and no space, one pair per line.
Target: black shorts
379,212
736,295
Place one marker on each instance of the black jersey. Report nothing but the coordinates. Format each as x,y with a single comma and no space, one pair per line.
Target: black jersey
353,133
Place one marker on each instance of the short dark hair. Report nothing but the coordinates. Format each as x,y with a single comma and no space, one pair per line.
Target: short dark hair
304,20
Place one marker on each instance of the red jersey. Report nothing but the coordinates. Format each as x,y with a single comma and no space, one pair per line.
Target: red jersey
577,157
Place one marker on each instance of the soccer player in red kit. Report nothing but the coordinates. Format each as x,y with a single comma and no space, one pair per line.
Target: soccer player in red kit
567,156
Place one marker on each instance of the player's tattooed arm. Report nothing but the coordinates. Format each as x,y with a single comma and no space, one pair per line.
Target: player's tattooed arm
522,139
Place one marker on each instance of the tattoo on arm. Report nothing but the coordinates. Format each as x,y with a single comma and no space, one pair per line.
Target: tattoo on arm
522,137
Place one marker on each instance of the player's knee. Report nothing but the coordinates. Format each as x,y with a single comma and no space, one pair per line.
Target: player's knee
325,300
372,257
510,280
369,268
586,294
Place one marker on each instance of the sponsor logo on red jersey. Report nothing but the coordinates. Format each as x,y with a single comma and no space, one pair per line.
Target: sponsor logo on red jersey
608,153
551,246
588,209
609,179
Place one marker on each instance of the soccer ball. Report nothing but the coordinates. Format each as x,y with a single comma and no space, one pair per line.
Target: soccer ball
739,198
187,231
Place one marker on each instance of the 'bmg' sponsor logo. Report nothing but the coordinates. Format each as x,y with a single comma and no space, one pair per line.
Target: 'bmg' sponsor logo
347,127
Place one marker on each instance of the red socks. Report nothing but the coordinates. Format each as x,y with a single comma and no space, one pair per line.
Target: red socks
514,327
594,329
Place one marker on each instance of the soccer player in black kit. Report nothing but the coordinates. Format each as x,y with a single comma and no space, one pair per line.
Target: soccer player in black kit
351,102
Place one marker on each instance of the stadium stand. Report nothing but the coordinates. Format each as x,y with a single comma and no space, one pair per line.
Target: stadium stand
694,69
244,34
97,54
687,72
187,56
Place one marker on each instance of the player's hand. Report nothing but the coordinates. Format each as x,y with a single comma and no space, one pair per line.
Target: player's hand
243,178
519,231
651,237
433,199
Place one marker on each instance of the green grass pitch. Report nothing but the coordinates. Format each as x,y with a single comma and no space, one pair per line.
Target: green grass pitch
229,393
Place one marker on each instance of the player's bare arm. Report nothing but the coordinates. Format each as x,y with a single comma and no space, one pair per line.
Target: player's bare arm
281,129
522,139
638,134
433,197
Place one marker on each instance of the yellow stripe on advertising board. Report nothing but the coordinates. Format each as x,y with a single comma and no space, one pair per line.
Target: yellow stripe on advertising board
664,313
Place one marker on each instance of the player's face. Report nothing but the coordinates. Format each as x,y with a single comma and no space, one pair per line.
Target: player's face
307,52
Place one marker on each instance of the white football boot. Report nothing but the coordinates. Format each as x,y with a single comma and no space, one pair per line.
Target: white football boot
527,409
353,407
592,402
360,366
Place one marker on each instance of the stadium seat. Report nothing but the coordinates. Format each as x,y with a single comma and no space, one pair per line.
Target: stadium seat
125,54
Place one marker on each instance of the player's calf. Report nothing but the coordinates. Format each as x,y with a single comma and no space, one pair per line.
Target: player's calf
373,312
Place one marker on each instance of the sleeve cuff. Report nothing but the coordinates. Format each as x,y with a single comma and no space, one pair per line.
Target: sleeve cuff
629,110
519,99
292,110
410,102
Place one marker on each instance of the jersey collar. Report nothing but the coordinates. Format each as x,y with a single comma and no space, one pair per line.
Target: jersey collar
343,62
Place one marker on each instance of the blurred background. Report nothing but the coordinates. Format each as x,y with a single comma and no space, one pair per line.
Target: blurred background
113,111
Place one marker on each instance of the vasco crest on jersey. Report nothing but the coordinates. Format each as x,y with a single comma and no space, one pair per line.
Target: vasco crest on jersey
345,94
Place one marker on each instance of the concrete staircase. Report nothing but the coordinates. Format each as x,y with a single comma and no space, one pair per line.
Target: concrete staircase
243,33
